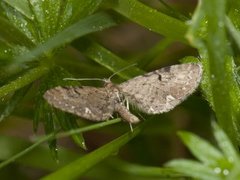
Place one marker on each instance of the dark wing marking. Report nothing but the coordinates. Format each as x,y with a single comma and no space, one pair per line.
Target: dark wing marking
161,90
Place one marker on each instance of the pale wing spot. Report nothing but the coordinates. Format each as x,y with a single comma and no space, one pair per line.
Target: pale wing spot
87,110
170,98
151,110
163,93
182,76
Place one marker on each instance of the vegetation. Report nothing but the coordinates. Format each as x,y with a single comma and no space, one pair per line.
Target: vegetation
42,42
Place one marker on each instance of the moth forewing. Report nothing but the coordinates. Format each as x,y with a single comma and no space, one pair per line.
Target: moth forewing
153,93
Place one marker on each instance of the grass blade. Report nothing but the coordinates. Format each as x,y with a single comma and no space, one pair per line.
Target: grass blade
81,165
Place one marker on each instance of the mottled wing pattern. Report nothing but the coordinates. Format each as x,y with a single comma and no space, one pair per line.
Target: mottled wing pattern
161,90
92,103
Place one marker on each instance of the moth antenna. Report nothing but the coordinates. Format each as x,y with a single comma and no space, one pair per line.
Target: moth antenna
98,79
84,79
123,69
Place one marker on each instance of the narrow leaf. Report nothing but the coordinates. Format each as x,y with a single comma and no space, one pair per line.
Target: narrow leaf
151,19
21,6
225,144
23,80
81,165
13,102
90,24
201,149
106,58
193,169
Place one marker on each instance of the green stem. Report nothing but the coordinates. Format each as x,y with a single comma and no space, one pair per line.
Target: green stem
58,135
81,165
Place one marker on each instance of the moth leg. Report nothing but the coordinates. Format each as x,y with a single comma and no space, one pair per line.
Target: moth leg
130,124
111,116
126,114
126,102
118,96
131,128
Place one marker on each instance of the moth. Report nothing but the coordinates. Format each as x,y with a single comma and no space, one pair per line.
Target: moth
155,92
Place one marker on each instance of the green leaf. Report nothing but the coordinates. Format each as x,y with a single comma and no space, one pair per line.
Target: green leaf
38,158
46,14
21,6
20,21
233,31
41,20
52,136
151,19
235,173
13,102
81,165
144,171
208,34
82,8
151,57
225,144
233,13
215,164
85,26
69,122
23,80
6,34
54,15
193,169
201,149
106,58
